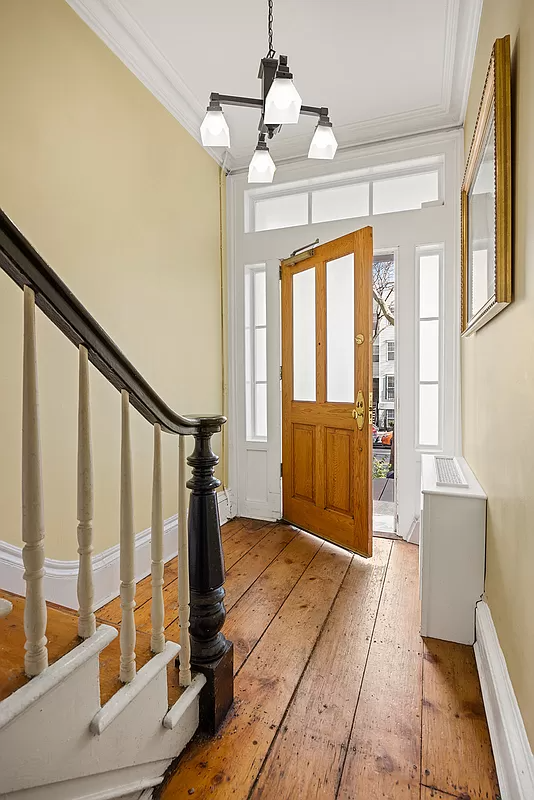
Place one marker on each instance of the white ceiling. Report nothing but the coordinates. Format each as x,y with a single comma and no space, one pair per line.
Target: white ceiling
384,68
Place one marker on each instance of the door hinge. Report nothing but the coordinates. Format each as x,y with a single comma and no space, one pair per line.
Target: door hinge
280,273
280,372
281,470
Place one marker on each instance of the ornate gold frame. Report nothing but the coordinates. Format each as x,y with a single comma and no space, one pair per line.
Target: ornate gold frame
496,99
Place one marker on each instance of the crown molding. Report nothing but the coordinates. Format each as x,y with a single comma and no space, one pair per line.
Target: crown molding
365,149
117,28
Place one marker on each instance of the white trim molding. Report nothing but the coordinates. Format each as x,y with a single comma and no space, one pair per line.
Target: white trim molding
61,576
227,505
511,748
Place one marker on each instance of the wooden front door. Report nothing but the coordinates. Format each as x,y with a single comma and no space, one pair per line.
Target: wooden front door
327,391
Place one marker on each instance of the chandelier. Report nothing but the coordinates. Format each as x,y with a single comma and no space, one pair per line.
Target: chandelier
280,104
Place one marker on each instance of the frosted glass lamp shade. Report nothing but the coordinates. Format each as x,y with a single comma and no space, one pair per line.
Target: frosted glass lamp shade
214,130
323,144
262,167
283,102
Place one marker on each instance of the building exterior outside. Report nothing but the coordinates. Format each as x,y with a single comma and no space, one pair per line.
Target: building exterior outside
384,341
384,379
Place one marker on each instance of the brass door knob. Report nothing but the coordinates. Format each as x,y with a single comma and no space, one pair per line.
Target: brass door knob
358,413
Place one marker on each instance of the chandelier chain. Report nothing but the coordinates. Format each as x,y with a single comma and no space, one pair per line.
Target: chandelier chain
271,52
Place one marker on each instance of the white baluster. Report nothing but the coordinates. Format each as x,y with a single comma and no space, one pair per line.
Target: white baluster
183,569
127,550
86,617
157,641
36,656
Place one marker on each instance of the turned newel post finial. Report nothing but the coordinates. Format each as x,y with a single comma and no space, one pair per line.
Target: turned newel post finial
211,653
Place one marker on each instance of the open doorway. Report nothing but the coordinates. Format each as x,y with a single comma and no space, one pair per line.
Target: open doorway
384,394
416,399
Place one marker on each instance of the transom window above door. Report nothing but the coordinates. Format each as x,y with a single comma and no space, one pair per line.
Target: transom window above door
383,189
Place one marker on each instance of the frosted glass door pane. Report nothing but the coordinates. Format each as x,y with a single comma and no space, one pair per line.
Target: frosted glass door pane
429,286
428,414
429,350
340,330
304,380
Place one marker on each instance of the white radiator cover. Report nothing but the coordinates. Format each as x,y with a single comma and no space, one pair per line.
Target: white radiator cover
452,554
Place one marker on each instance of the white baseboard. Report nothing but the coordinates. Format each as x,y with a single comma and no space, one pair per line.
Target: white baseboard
227,505
61,576
511,748
414,532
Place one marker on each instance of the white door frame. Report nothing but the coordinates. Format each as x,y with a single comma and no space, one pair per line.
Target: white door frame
254,467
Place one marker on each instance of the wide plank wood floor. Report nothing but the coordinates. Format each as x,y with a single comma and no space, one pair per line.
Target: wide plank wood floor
337,696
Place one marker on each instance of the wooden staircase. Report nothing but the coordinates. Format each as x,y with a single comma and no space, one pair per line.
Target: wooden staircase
93,709
62,634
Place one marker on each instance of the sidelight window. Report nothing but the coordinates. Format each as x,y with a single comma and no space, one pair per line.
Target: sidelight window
429,261
256,351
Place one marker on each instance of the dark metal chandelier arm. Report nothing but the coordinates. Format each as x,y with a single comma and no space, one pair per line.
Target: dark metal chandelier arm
314,111
232,100
251,102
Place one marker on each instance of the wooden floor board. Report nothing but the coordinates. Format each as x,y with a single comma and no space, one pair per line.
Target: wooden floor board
253,613
239,544
242,575
231,527
238,523
111,612
383,757
428,793
226,767
309,751
456,755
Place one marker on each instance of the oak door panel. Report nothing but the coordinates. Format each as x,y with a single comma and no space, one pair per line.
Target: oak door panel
326,455
338,466
304,462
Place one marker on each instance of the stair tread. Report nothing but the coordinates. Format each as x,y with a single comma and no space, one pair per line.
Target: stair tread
62,626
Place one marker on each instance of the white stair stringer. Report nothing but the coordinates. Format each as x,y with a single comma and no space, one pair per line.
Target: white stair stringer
50,744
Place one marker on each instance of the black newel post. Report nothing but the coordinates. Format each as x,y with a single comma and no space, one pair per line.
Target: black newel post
211,653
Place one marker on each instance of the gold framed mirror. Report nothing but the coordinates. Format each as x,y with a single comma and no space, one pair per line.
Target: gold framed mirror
486,200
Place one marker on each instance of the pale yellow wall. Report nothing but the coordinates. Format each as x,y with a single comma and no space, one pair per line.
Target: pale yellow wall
498,375
124,204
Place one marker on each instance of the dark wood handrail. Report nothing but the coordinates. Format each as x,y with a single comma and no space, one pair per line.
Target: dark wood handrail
26,267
